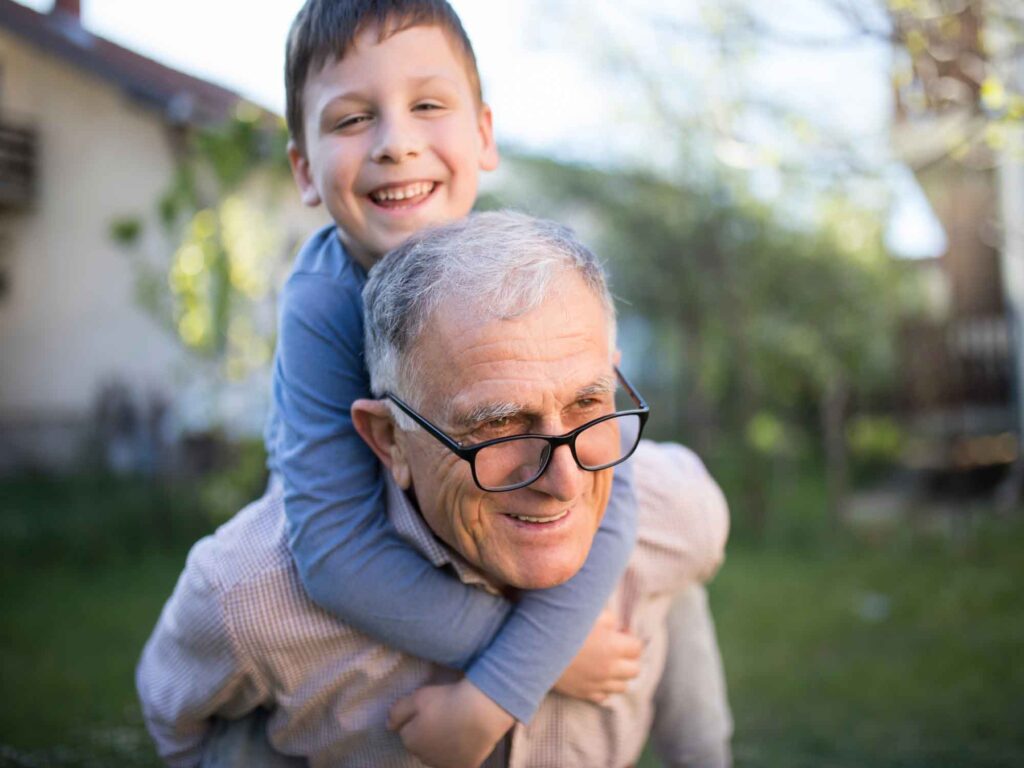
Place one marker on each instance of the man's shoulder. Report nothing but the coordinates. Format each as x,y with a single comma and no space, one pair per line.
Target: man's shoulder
683,518
249,548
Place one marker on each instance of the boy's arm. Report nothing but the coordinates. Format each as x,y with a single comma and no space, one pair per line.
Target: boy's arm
549,626
455,725
350,559
191,669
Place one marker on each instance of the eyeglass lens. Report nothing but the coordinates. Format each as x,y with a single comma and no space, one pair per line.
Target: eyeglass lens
520,462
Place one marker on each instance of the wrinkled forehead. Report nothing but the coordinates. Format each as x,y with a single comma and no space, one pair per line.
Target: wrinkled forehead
465,351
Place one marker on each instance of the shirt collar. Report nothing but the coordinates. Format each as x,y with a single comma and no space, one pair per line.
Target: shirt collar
411,526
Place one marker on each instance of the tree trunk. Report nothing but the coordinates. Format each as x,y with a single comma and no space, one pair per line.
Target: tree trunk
833,428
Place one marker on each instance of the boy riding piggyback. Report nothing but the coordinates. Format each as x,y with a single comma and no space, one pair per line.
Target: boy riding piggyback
389,131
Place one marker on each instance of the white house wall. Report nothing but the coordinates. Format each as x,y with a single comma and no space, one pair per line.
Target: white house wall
69,321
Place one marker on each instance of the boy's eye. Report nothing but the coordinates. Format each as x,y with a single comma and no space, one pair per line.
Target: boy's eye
428,106
351,121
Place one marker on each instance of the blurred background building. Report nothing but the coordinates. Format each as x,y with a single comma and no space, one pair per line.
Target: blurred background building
963,356
90,132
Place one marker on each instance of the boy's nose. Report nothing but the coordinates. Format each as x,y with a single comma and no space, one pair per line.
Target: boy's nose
397,140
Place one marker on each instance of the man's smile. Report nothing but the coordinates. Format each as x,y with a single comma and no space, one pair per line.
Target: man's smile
538,521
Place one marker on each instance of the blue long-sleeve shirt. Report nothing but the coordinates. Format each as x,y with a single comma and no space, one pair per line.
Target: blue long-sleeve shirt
353,563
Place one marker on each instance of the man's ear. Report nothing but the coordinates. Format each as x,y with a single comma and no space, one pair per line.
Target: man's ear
301,173
617,358
372,420
489,147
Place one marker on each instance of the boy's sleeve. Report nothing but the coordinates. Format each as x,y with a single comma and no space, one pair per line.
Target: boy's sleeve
350,559
549,626
353,563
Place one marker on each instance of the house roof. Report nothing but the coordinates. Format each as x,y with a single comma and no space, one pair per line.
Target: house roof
182,98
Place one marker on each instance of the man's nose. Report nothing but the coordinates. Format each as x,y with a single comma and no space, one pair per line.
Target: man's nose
397,139
563,478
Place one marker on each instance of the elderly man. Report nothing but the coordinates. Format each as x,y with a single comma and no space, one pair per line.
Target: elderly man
491,344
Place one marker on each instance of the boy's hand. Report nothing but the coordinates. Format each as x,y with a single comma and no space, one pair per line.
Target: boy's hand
449,726
607,662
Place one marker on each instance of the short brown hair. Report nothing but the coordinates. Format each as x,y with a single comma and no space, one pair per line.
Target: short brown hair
326,29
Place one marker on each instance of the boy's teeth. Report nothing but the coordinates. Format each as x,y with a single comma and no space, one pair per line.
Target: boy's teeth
403,193
526,519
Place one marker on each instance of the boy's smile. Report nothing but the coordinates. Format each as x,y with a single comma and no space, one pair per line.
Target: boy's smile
394,139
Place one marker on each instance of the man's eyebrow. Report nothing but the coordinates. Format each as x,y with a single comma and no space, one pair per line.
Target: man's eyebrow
603,385
486,412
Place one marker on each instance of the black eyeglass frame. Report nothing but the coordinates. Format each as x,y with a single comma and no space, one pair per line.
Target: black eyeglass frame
469,452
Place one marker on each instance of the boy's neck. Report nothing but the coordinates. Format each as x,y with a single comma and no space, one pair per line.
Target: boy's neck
358,254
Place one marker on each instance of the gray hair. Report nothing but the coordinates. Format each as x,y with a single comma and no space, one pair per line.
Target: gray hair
501,263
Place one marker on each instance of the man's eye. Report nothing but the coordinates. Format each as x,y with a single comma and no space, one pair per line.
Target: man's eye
500,427
502,423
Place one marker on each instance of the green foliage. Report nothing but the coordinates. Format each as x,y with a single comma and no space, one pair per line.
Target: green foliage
875,438
51,520
126,231
95,519
220,218
740,329
748,315
222,493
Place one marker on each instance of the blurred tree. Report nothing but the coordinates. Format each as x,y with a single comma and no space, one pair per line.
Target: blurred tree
220,220
747,322
800,300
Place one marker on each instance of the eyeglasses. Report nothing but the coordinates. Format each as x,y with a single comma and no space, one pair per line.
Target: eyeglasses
508,463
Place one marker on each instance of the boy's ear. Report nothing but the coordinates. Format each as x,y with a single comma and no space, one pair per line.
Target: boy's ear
301,173
488,147
372,420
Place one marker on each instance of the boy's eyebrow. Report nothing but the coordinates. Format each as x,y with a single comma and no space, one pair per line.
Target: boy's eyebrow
429,78
359,97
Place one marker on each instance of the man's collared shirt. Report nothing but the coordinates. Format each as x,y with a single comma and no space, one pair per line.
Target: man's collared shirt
239,633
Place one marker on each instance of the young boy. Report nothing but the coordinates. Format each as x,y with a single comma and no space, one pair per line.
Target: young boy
389,132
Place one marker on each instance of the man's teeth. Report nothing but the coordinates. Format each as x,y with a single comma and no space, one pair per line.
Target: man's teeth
526,519
403,193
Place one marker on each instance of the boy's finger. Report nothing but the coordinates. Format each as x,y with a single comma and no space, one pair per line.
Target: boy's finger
402,711
629,645
624,670
615,686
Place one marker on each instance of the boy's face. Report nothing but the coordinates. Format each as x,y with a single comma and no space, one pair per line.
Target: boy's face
394,139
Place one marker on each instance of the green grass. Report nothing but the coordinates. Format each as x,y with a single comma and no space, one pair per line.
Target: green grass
69,639
901,652
899,656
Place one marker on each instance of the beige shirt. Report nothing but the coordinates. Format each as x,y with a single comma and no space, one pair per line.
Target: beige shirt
239,632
